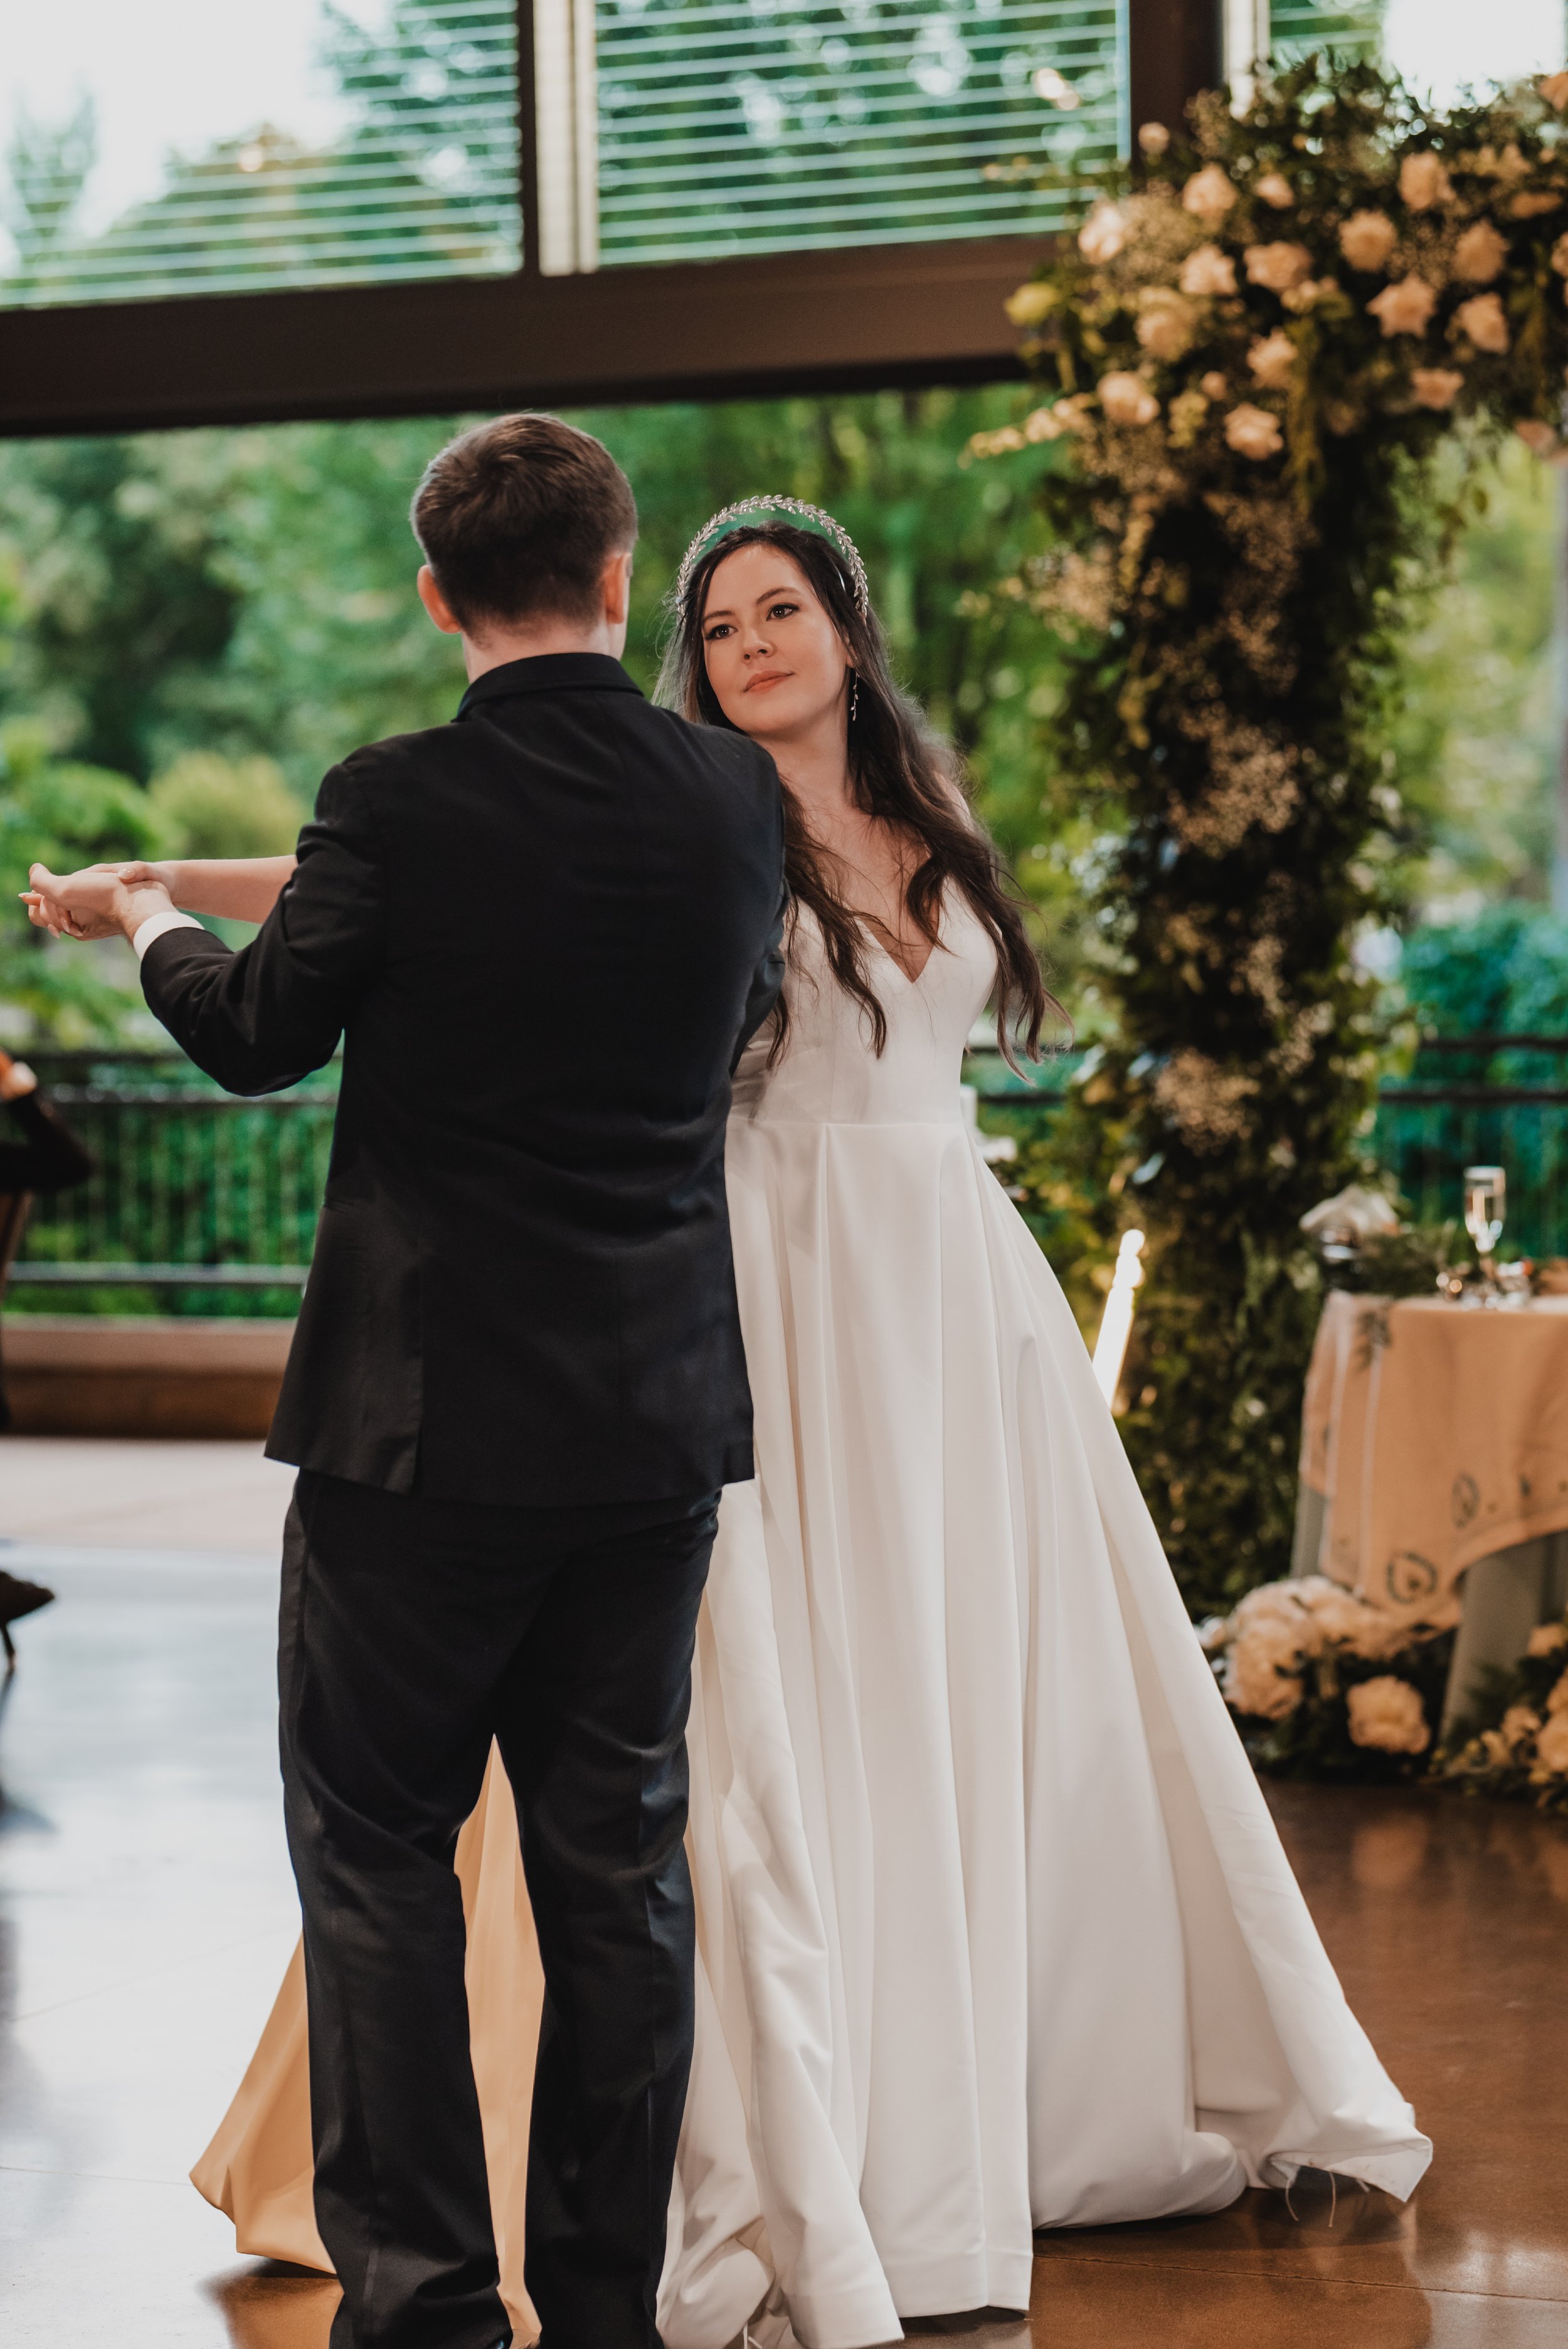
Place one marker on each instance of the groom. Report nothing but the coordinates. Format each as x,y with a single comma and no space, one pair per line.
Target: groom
543,933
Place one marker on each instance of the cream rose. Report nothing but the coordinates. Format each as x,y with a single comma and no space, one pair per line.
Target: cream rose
1539,438
1166,320
1030,304
1259,1678
1208,194
1252,432
1387,1714
1479,253
1278,265
1436,387
1558,1701
1153,137
1207,270
1424,182
1406,308
1547,1638
1127,399
1518,1726
1554,89
1103,235
1482,320
1552,1746
1276,190
1532,202
1366,239
1272,361
1214,385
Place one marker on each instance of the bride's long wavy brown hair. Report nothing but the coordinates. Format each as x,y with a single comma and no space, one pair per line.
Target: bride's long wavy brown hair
900,772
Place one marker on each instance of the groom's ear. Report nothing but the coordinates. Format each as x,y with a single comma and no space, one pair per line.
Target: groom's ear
617,584
435,603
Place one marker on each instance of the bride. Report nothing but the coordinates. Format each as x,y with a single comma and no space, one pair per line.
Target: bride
994,1930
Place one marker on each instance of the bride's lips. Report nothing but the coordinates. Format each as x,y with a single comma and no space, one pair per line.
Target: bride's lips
769,676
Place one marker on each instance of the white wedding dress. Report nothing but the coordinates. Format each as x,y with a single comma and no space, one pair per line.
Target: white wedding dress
994,1930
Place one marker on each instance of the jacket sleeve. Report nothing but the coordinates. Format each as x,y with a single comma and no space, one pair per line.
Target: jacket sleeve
262,1019
51,1158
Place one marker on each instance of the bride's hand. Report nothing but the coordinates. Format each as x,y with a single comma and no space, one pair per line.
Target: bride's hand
98,902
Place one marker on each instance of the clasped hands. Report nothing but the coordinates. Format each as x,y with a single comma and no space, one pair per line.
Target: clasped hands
102,901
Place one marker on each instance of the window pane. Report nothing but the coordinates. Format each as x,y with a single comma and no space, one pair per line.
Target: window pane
725,129
1441,46
183,147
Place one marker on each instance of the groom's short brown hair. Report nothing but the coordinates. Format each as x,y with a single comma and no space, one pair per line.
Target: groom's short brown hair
518,517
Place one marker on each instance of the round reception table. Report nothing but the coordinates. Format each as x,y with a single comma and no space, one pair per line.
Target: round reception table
1434,1459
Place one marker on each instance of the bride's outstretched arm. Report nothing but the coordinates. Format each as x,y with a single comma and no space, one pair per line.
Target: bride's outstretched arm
242,889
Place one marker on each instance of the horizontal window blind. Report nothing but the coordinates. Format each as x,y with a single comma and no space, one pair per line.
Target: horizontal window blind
725,128
420,180
1297,27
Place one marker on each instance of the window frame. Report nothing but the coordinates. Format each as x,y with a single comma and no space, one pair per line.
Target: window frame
853,318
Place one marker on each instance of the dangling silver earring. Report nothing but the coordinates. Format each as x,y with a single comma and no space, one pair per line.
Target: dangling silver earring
854,694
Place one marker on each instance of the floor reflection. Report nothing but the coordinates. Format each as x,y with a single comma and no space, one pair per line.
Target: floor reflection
270,2305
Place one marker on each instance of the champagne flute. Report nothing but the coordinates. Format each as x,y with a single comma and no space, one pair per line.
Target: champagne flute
1486,1208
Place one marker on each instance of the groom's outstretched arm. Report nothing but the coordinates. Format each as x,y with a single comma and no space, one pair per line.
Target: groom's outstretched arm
263,1017
767,981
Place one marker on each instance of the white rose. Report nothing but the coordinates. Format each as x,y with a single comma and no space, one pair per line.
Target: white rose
1252,432
1258,1676
1423,182
1029,304
1207,270
1127,399
1208,194
1272,361
1554,89
1483,320
1547,1638
1153,137
1518,1726
1366,239
1214,385
1337,1612
1436,387
1479,253
1552,1746
1387,1714
1276,190
1275,1602
1103,234
1407,309
1278,265
1165,322
1531,205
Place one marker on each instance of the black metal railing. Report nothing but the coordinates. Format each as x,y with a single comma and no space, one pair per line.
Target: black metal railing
198,1202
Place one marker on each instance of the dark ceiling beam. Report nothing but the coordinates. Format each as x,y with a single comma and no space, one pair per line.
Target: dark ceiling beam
894,315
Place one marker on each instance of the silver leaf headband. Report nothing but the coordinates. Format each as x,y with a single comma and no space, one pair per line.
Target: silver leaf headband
794,506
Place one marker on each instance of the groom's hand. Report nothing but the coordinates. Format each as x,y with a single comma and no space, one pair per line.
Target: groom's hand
96,902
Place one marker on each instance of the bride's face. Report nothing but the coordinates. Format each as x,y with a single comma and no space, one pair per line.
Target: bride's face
775,659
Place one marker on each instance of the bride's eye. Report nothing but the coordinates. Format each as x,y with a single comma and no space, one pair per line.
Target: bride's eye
720,628
783,611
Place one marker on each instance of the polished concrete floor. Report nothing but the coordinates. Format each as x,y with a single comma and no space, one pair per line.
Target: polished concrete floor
146,1912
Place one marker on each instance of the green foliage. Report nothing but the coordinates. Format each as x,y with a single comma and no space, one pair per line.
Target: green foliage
1506,969
210,806
1245,499
61,813
1511,1743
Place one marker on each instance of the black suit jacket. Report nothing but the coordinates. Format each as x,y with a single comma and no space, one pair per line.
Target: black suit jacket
543,932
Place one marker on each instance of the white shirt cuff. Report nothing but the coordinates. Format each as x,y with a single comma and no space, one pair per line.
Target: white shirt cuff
156,924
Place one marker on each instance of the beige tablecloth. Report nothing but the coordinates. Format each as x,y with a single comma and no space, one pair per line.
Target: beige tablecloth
1437,1436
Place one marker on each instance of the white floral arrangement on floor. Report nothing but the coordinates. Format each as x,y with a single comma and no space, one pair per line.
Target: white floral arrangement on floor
1515,1742
1324,1686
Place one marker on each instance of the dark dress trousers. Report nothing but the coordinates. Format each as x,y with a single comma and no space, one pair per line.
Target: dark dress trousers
543,933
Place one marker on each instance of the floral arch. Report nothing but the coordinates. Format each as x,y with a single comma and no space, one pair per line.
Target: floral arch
1251,354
